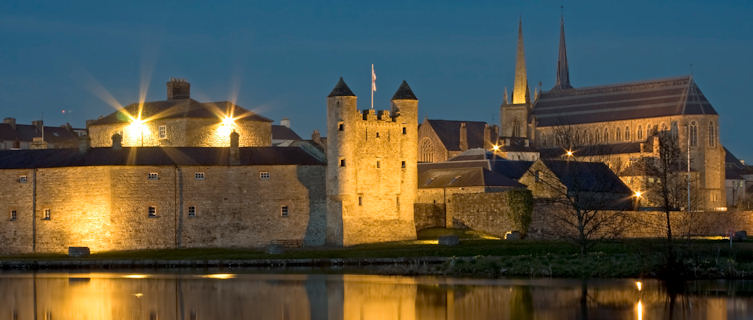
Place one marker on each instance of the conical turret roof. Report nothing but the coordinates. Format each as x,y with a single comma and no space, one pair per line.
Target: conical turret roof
341,90
404,92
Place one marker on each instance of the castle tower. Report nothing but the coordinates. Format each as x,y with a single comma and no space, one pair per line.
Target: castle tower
514,115
371,168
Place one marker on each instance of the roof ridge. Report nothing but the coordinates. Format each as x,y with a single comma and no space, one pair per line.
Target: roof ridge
619,84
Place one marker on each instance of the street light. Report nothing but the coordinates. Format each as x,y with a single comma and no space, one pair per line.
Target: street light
495,148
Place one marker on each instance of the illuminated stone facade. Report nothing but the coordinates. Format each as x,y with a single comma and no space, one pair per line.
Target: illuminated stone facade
371,168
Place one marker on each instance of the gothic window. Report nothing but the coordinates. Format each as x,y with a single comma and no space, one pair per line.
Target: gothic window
606,135
627,133
427,151
617,135
639,133
712,134
673,130
516,128
693,133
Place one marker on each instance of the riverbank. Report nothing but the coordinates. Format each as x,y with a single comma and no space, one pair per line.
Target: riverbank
476,256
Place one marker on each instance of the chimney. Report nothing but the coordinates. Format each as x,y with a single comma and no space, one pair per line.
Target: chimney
316,137
178,89
235,157
487,136
463,137
117,141
39,125
83,144
11,122
285,122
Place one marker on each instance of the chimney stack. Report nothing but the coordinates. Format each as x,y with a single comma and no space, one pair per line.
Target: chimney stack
11,122
463,136
178,89
235,157
285,122
117,141
39,125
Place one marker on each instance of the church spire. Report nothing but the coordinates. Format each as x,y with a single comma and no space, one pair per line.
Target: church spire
520,93
563,75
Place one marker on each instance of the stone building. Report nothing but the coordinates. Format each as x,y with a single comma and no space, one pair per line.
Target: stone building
181,121
371,168
440,140
14,136
615,124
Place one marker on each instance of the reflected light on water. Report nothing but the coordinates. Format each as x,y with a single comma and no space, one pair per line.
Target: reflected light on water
639,310
135,276
221,276
138,295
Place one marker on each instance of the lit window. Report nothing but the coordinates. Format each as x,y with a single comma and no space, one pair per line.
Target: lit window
153,176
198,175
47,214
284,211
23,179
191,211
163,132
13,215
264,175
342,162
152,212
402,164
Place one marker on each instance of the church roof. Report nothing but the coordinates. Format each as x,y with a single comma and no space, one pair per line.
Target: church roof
448,132
404,92
341,89
644,99
180,108
153,156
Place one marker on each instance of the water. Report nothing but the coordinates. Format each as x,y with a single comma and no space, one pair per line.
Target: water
350,296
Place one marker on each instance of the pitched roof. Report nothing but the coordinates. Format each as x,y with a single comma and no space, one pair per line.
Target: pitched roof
404,92
464,177
26,132
180,108
594,150
153,156
280,132
644,99
341,89
513,169
587,176
448,132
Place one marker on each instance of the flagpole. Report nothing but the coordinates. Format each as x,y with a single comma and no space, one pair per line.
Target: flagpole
372,86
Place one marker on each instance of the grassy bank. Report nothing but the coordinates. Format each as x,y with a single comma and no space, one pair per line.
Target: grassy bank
478,255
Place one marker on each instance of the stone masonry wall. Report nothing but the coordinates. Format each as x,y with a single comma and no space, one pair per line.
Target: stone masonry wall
16,235
486,212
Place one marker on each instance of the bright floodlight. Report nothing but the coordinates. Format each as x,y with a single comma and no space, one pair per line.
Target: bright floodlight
495,147
569,153
638,194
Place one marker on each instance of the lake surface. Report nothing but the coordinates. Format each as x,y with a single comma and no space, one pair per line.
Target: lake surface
238,295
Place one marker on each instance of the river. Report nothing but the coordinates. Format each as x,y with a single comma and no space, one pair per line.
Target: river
247,295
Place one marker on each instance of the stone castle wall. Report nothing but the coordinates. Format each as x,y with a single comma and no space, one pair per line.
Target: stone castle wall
107,207
183,132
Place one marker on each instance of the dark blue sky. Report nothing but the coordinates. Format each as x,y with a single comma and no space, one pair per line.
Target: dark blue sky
282,58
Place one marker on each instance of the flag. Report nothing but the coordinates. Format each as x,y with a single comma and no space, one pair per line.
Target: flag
373,79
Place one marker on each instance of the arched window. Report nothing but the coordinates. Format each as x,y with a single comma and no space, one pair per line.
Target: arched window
426,154
712,134
617,135
597,136
639,133
627,133
648,131
673,130
693,133
606,135
516,128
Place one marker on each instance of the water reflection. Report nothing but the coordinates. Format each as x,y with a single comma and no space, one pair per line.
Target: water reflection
235,295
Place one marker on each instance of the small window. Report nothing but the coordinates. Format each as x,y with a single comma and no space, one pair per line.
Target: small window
191,211
405,130
152,212
23,179
379,164
377,134
13,215
340,126
264,175
284,211
360,200
198,175
153,176
402,164
163,132
342,162
47,214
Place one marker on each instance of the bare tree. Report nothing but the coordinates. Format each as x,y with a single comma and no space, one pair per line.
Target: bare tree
586,199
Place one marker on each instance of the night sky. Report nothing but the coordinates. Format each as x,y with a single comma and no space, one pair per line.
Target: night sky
281,58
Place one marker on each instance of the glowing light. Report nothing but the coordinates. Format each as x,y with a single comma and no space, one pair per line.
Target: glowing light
639,285
495,147
639,310
226,126
221,276
138,295
135,276
638,194
569,153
